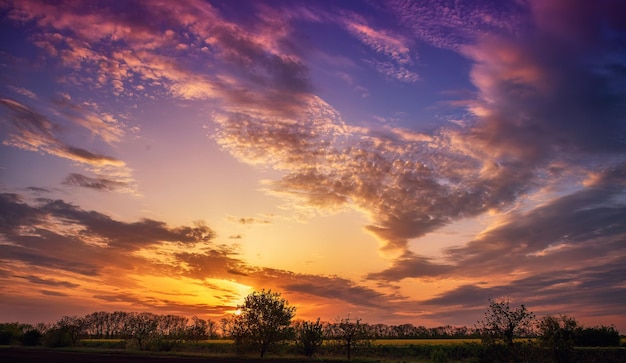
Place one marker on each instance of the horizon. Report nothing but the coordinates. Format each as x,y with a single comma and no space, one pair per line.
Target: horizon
394,161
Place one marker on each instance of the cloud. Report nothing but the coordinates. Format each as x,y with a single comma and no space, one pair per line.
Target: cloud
53,293
49,282
409,184
534,99
451,25
248,220
28,227
394,47
257,69
336,288
24,92
547,103
410,265
94,253
117,255
101,124
154,304
269,115
583,226
31,130
591,294
103,184
214,263
327,290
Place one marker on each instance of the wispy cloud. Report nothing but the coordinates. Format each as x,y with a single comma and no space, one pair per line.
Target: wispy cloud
452,25
248,220
252,69
394,48
49,282
33,131
24,92
103,184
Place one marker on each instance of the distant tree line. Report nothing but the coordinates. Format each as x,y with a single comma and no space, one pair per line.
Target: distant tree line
138,328
265,320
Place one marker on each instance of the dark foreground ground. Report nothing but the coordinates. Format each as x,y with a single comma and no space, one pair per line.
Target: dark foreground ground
25,355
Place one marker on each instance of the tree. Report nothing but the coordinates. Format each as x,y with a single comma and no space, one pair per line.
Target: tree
74,326
558,334
9,333
31,338
141,327
309,337
503,324
264,319
235,329
197,330
350,334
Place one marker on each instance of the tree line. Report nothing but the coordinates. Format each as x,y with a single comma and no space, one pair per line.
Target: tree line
265,319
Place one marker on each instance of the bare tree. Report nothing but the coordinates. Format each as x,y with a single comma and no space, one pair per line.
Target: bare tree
141,327
309,336
73,326
350,334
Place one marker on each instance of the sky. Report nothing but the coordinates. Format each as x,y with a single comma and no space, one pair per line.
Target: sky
395,161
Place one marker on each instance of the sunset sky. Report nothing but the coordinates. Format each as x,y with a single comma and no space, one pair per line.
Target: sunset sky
397,161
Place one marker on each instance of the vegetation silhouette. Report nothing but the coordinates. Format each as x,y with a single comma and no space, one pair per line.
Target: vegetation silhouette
262,320
265,319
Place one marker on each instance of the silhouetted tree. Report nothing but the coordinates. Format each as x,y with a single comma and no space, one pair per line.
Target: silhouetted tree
264,319
31,338
350,334
73,326
141,327
200,329
10,333
503,324
557,334
309,337
598,336
234,328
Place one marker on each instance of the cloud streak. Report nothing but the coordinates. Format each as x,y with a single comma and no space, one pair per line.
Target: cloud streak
33,131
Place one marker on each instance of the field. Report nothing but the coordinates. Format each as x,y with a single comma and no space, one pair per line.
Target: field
34,355
380,351
407,342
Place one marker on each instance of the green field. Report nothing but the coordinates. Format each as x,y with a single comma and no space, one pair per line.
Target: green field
407,342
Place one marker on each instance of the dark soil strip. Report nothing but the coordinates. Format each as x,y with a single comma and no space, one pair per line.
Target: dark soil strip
24,355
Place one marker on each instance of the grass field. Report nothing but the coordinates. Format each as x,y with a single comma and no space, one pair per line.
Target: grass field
406,342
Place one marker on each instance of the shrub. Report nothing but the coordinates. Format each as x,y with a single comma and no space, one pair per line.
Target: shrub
57,337
439,355
602,336
31,338
10,333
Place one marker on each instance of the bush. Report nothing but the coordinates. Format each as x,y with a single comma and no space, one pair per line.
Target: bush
602,336
10,333
439,355
31,338
56,337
